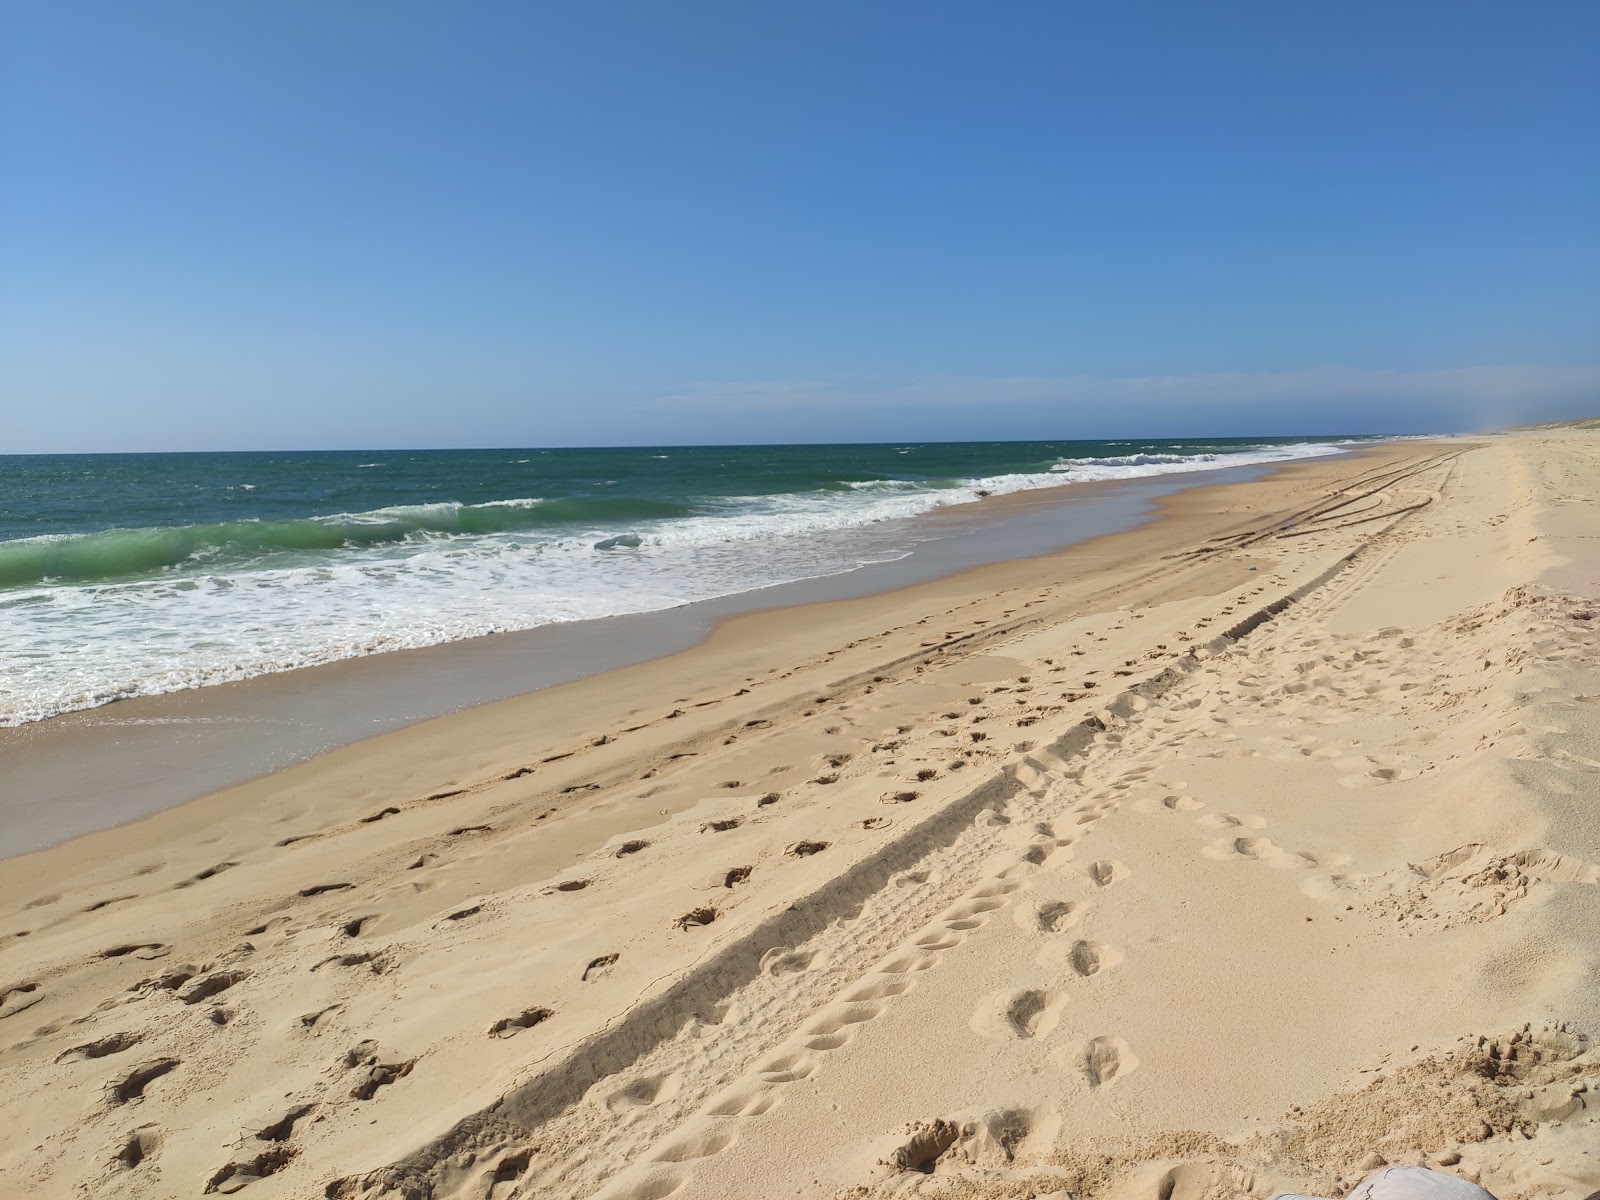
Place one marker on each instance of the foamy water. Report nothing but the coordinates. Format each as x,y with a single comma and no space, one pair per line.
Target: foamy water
92,615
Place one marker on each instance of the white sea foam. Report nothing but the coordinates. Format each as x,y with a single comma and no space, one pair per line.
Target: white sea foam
73,647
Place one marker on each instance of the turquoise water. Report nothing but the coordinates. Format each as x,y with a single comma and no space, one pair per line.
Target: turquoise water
127,575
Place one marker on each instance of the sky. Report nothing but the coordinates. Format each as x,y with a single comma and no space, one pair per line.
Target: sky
400,224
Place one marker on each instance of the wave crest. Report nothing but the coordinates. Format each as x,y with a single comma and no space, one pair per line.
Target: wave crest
129,553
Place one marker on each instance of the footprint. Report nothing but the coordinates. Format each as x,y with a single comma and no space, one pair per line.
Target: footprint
132,1085
1254,847
879,989
1107,871
145,950
116,1043
526,1019
210,985
696,917
599,968
829,1041
1182,803
508,1169
321,888
1090,958
806,849
236,1175
643,1093
310,1020
1235,848
375,1073
1026,863
1050,916
905,964
1104,1060
927,1142
1003,887
280,1127
373,960
783,961
138,1145
702,1144
787,1068
971,908
1192,1179
1083,957
746,1101
842,1018
1018,1013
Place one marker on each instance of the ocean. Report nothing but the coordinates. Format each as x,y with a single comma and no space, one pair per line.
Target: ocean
137,574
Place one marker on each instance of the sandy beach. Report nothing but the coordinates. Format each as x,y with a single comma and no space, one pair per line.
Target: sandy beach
105,765
1235,853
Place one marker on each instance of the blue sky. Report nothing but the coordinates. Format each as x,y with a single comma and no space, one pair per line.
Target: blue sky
305,224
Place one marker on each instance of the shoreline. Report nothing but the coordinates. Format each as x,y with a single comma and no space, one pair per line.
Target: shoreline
366,573
1068,847
439,752
243,730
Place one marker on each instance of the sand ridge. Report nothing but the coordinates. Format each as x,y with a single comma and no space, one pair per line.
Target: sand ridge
1143,857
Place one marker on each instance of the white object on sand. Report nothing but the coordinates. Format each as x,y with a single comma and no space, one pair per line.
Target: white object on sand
1409,1183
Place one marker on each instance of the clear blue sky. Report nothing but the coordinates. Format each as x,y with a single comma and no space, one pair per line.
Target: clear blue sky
307,224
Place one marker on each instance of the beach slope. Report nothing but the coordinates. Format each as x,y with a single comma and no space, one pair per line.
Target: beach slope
1233,854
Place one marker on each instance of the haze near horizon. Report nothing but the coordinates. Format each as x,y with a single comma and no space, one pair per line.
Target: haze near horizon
402,225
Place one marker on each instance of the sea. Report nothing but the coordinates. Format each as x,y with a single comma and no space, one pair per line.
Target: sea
135,574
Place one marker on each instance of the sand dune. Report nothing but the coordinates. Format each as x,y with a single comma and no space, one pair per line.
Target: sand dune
1224,856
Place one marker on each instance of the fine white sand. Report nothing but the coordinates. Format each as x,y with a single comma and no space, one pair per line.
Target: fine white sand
1233,854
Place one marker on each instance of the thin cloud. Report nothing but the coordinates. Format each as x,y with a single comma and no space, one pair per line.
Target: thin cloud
1485,393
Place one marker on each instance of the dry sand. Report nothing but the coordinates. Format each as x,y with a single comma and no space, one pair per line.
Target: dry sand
1227,855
